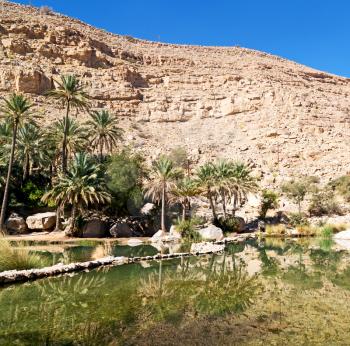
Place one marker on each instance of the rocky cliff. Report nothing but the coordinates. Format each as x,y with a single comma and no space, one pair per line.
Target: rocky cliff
217,102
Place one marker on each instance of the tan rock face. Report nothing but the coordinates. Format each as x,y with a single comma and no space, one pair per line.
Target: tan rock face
217,102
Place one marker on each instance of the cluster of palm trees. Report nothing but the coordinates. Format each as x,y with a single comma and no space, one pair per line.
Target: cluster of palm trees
225,183
26,143
72,154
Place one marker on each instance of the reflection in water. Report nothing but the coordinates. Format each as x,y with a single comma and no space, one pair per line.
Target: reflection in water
298,296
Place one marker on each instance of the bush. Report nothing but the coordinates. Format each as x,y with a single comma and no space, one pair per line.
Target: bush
33,194
342,186
124,180
17,259
323,203
228,225
306,230
297,219
269,200
188,229
279,229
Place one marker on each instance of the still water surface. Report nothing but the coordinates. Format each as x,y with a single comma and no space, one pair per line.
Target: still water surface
257,293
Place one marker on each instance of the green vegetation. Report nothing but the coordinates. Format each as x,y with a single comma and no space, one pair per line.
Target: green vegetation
297,189
189,229
342,186
12,258
269,200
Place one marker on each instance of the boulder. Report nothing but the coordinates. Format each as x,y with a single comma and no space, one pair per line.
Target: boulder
95,228
16,224
174,232
211,233
206,248
121,229
241,223
41,221
343,235
158,236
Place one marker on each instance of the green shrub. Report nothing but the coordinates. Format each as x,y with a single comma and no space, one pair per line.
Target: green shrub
326,232
269,200
297,219
17,259
188,229
323,203
33,194
124,176
342,186
228,225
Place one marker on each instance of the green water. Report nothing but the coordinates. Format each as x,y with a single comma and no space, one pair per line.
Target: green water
257,293
53,253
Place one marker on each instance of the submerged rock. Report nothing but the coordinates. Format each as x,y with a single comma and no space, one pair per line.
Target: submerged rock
41,221
211,233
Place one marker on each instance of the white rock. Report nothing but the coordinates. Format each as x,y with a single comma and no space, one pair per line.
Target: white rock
206,247
343,235
135,242
174,232
41,221
211,233
158,236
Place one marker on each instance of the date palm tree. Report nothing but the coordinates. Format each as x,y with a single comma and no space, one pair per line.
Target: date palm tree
16,111
206,180
81,186
29,147
164,178
185,190
71,94
224,170
67,131
242,183
103,131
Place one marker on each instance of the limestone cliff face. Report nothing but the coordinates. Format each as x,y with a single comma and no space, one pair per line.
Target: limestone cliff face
217,102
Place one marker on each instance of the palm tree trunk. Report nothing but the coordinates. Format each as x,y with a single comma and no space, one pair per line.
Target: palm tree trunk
58,226
223,197
212,207
7,185
163,209
101,152
74,217
26,169
184,211
64,146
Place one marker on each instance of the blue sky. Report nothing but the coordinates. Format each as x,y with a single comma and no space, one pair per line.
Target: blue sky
313,32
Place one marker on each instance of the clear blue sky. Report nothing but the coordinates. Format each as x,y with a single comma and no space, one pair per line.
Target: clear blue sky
313,32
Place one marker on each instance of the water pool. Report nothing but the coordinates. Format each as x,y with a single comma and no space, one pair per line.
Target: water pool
271,292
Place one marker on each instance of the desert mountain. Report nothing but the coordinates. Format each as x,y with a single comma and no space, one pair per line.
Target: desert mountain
232,102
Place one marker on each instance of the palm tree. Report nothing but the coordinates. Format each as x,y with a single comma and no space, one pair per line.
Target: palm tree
223,175
164,177
183,192
15,110
72,95
242,183
103,131
30,147
67,131
81,186
206,179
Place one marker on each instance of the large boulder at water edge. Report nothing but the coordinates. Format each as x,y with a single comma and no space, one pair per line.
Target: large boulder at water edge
16,224
41,221
95,228
121,229
343,235
211,233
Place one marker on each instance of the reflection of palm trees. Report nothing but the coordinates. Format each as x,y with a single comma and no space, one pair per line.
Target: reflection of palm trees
206,286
